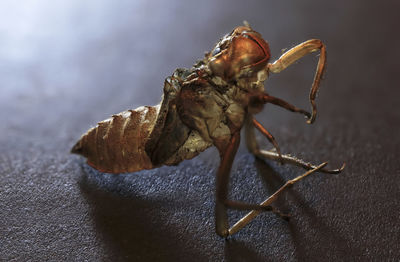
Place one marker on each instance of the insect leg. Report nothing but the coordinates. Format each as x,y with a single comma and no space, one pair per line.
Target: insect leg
282,103
227,154
267,134
252,214
296,53
222,202
253,147
296,161
246,206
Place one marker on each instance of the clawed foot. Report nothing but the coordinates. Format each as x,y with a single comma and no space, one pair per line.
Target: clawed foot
292,160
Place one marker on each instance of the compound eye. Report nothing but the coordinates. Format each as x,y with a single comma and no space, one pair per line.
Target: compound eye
216,51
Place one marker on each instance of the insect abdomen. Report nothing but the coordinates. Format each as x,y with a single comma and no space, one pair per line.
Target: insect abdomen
117,144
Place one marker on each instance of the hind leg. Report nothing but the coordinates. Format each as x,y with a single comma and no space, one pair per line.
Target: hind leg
253,147
252,214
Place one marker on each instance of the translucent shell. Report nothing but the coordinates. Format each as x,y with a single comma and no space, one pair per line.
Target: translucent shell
242,50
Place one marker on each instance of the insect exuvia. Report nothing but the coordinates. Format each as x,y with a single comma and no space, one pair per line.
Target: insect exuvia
206,105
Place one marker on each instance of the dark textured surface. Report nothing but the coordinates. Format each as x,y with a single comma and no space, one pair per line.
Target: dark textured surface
64,67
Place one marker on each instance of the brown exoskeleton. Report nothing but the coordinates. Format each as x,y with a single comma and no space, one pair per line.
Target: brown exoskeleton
206,105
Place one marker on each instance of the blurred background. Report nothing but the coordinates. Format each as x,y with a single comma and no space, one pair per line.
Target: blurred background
65,65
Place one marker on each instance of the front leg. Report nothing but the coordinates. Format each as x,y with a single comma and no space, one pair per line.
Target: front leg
296,53
253,147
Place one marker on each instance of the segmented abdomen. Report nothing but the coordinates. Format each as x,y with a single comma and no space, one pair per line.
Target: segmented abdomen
117,144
